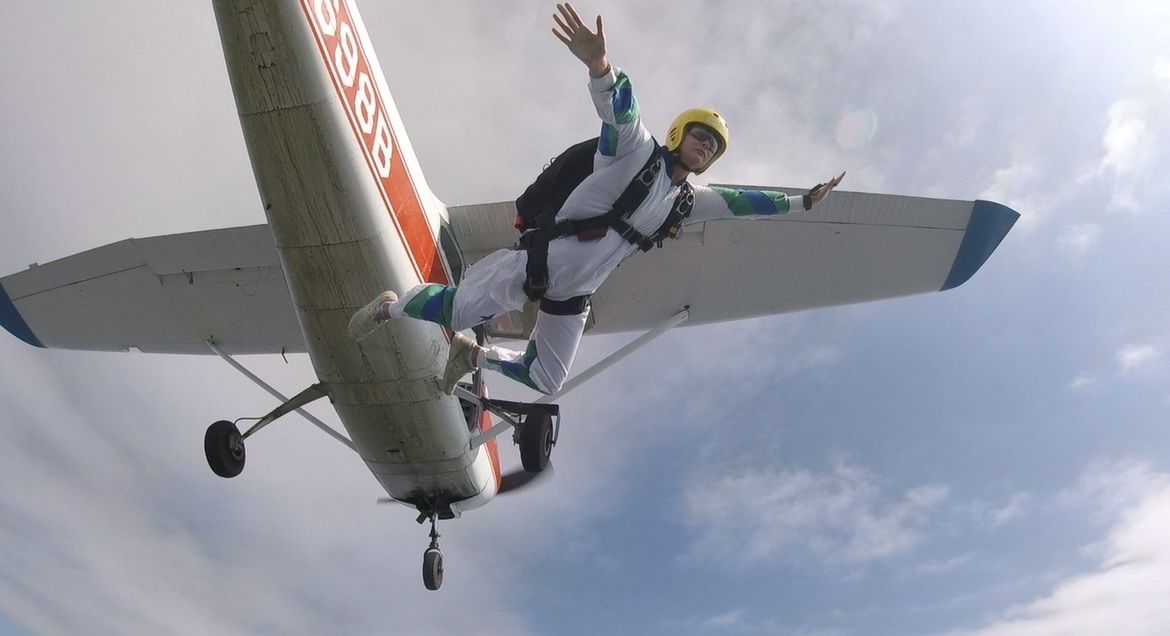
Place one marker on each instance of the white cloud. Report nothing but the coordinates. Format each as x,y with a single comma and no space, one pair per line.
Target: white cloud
1083,381
1016,187
1078,238
1014,508
1162,68
1130,361
114,525
768,514
1126,137
1131,145
727,620
1132,358
1128,591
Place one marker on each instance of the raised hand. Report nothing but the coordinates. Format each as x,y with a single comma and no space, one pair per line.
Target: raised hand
589,47
818,194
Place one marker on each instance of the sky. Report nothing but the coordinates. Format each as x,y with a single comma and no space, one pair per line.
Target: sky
989,461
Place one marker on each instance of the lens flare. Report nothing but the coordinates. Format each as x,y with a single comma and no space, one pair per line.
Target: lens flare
856,128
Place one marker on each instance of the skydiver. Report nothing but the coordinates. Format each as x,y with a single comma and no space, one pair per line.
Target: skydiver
577,264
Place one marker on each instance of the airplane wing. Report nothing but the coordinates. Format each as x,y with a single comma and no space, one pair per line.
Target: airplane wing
167,294
170,294
854,247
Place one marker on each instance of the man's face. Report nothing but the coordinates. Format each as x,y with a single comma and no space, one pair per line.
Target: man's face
698,147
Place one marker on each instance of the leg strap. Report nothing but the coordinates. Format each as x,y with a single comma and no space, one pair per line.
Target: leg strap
570,307
536,270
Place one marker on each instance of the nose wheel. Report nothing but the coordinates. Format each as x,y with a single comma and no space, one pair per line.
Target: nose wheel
433,561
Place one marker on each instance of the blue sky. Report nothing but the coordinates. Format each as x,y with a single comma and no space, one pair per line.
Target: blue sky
987,461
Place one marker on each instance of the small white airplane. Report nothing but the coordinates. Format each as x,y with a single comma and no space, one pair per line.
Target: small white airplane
349,215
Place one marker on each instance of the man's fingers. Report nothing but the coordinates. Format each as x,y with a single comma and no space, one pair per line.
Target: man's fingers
571,15
577,19
561,23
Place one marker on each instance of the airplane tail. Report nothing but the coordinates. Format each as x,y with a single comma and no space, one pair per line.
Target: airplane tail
315,101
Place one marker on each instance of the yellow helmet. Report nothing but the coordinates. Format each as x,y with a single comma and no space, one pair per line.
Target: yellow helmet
704,117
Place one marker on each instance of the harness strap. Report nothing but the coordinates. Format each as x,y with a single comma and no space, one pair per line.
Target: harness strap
536,241
571,307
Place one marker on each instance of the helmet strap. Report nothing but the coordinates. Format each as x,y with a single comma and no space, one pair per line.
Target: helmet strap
677,157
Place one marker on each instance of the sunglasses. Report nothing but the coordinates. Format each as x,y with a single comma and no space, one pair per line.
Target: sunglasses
703,135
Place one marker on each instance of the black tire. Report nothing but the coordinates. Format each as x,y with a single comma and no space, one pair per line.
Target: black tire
433,568
224,448
536,442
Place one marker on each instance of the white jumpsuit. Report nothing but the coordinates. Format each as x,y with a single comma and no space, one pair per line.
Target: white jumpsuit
494,285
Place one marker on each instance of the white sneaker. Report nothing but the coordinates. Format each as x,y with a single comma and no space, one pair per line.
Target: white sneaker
459,361
366,320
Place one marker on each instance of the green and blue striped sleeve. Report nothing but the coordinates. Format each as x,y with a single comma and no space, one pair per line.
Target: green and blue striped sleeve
717,202
621,117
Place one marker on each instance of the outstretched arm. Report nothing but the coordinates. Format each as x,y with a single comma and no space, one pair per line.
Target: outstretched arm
589,47
716,202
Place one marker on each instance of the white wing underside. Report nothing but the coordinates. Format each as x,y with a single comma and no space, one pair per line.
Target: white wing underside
171,294
167,294
854,248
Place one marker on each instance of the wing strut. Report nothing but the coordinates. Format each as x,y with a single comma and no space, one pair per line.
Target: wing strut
277,394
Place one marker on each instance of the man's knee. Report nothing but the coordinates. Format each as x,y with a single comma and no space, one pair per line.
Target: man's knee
545,381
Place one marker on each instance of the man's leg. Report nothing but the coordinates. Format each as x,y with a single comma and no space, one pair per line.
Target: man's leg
544,364
429,302
493,286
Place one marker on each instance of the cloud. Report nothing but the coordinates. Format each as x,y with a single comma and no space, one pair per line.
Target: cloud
1132,151
1126,138
1015,186
1084,381
1077,239
1127,592
838,517
1131,361
1133,358
736,622
1162,69
1014,508
115,526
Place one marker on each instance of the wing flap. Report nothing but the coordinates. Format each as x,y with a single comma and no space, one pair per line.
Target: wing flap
166,294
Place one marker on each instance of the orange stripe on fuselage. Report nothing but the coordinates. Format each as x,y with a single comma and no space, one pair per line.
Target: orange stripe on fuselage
345,57
485,424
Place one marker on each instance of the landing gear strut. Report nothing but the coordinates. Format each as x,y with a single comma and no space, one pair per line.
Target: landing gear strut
535,427
224,444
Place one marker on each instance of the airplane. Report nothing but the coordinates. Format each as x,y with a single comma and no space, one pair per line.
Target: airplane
349,214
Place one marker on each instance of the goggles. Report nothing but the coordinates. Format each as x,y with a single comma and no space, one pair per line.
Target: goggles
703,135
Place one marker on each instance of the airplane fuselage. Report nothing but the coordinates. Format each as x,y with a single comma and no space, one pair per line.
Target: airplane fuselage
351,216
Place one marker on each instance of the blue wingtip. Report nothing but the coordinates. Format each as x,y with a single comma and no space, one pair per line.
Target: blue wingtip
989,224
11,320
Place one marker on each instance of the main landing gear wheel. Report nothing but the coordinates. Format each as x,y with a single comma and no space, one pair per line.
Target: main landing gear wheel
536,441
225,449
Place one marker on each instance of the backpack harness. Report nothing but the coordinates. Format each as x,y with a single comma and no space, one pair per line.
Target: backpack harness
537,209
